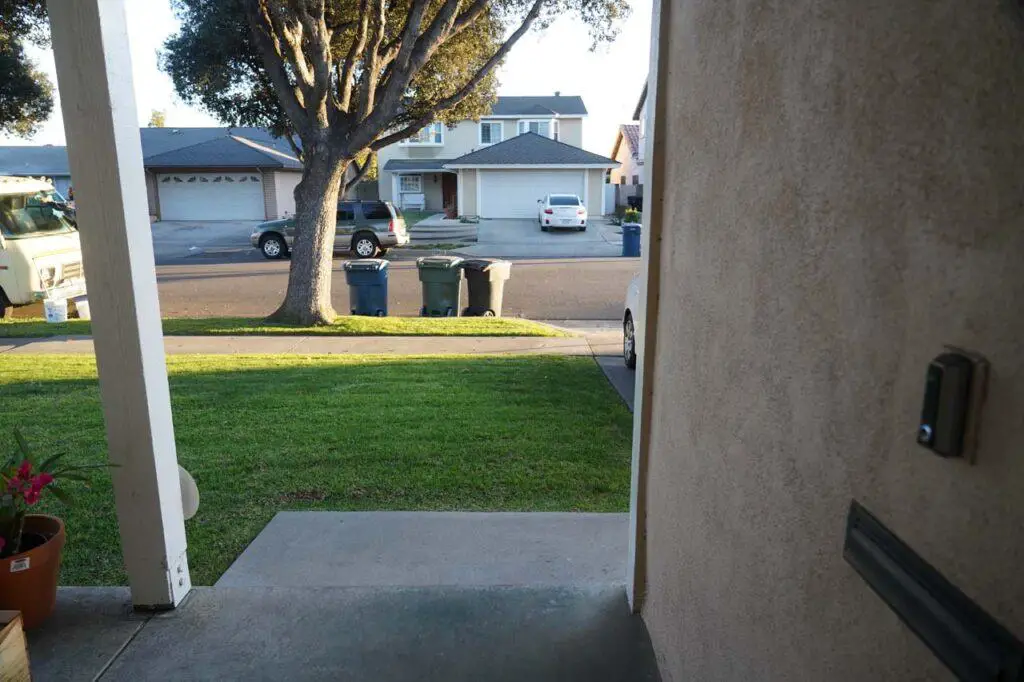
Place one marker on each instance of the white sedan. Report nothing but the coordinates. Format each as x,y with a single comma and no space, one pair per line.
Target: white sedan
561,210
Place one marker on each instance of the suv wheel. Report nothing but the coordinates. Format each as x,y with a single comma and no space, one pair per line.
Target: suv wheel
273,246
5,307
365,245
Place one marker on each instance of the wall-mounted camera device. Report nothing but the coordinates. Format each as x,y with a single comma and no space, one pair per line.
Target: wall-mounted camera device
952,387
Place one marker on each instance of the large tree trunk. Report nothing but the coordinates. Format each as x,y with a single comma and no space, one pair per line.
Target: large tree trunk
308,299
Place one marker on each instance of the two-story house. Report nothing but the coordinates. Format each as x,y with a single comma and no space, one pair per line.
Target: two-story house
628,150
499,166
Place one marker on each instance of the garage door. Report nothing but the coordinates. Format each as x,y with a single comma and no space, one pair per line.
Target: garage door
514,194
210,196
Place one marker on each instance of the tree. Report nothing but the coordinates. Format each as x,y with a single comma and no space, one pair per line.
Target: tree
157,119
341,79
26,94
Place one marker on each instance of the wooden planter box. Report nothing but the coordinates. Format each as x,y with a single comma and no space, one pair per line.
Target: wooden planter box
13,649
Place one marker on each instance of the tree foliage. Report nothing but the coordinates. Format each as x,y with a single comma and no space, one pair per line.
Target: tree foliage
157,118
344,78
26,94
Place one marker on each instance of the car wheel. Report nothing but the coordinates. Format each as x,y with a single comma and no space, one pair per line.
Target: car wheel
544,228
365,246
5,307
629,342
273,246
581,228
488,313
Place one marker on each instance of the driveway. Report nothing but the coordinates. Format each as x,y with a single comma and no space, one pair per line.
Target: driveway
508,238
222,240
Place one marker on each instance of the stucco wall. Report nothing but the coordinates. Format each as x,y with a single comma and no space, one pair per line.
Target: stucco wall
152,196
627,169
595,187
842,196
469,180
570,131
284,193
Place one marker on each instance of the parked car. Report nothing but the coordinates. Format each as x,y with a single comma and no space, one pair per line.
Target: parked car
561,210
40,255
366,229
632,321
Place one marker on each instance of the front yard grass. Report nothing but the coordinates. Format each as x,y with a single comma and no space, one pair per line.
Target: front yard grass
262,434
413,217
351,325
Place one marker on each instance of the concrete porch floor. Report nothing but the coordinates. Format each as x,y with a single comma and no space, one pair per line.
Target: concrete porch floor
377,596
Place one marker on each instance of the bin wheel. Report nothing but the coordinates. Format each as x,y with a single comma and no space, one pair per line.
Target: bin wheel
488,313
451,312
381,313
423,311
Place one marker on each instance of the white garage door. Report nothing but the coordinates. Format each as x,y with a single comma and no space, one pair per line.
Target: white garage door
514,194
210,196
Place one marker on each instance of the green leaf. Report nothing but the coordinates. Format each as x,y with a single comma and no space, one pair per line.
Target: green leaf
61,495
22,444
48,464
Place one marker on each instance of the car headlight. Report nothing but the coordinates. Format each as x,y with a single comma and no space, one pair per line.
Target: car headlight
48,276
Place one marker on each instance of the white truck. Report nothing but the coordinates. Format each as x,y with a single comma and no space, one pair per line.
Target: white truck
40,255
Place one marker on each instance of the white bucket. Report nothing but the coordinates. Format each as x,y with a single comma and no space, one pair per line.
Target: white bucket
82,306
56,310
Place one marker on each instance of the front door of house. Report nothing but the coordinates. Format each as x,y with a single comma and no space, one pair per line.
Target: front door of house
449,190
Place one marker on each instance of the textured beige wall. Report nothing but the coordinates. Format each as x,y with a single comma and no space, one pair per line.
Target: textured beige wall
595,187
469,180
843,195
570,131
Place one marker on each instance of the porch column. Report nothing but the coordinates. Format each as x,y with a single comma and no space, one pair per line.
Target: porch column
396,196
458,191
94,77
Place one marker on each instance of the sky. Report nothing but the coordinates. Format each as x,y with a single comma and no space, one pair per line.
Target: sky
556,59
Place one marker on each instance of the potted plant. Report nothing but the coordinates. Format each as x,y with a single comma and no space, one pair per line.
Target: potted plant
31,544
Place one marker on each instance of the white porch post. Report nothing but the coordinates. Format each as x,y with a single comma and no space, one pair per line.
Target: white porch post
586,189
94,77
458,191
396,196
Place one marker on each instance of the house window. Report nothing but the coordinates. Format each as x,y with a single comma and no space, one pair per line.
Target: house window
548,128
636,179
622,180
410,183
490,132
432,135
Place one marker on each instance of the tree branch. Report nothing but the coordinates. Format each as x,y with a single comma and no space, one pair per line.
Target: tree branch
295,147
371,71
454,99
269,47
318,40
358,45
361,172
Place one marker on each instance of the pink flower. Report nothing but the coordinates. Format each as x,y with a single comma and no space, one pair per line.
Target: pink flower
31,496
42,480
2,543
25,470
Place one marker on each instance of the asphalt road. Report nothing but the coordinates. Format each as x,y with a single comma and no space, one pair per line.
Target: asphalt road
555,289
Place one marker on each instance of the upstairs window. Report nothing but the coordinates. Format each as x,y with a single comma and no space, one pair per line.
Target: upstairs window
432,135
490,132
544,128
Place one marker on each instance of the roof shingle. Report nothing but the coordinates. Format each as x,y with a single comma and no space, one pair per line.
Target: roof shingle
563,105
531,149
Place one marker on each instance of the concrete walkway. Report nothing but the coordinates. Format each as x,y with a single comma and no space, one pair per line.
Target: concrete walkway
394,597
598,343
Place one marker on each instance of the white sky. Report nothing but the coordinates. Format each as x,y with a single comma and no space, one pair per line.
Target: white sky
609,80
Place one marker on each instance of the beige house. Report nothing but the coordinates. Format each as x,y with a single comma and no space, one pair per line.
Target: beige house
499,166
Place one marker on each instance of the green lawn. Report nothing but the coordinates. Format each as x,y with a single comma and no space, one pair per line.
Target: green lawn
345,326
267,433
413,217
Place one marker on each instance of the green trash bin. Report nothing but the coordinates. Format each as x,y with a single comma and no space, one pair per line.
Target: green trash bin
441,279
485,279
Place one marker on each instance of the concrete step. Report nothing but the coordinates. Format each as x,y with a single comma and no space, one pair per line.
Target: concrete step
395,635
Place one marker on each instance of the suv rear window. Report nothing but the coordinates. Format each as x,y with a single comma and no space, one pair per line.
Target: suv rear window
376,211
564,200
346,213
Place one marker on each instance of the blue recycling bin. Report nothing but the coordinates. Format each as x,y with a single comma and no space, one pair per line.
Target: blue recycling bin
367,280
630,240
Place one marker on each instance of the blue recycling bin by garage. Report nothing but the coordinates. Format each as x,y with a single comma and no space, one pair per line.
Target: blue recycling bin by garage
631,240
367,286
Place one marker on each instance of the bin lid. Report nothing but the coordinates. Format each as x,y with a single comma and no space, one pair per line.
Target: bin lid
438,262
363,264
485,264
631,228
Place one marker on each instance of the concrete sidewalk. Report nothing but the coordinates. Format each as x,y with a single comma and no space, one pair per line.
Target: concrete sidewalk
598,343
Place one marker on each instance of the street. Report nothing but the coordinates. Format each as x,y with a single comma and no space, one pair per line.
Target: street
554,289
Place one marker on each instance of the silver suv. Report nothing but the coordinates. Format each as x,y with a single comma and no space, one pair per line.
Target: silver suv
366,229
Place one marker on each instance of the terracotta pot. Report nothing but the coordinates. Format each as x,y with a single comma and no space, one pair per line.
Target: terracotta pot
28,581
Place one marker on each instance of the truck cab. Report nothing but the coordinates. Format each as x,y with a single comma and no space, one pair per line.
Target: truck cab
40,255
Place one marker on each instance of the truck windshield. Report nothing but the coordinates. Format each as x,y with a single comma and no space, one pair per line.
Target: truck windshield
33,215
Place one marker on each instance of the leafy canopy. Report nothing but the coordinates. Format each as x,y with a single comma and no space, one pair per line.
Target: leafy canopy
26,94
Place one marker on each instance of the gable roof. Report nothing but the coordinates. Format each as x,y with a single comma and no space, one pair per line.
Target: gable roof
561,105
406,165
169,148
630,132
531,149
